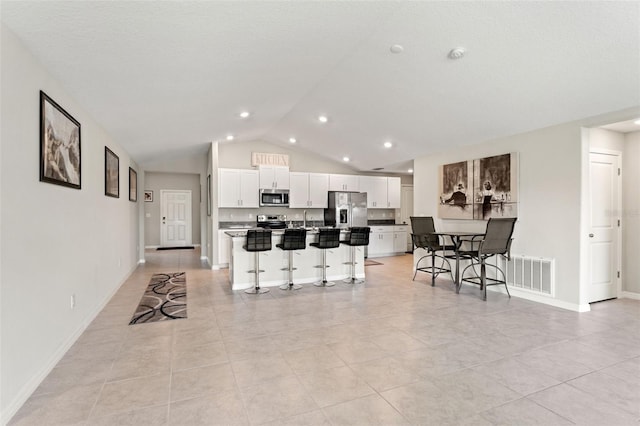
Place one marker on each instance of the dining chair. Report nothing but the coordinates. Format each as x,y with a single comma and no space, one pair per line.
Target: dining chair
422,235
496,242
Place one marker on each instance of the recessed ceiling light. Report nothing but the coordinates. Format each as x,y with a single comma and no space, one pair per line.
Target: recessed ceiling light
293,140
637,122
410,170
346,159
244,114
397,48
323,118
229,137
456,53
388,144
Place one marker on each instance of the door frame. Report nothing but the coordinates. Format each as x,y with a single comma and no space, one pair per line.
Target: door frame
189,214
585,274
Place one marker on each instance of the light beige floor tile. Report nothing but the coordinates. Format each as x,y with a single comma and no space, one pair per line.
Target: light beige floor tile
275,399
200,381
313,358
524,412
312,418
222,408
198,356
618,392
580,407
252,371
68,375
358,350
335,385
516,376
369,410
156,416
140,363
385,373
129,395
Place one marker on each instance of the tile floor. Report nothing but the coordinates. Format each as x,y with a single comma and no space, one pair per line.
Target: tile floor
389,352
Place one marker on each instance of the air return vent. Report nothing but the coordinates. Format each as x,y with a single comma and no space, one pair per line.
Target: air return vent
535,274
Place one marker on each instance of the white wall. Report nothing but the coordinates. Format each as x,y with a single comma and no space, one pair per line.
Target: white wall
56,241
550,183
631,214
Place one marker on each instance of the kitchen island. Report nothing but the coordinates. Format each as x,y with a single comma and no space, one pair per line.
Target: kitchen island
275,261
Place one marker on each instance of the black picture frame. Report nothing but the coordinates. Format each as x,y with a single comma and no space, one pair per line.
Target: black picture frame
111,174
148,196
60,154
133,185
208,195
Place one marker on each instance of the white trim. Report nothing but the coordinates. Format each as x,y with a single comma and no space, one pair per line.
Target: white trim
141,261
536,297
630,295
32,384
189,215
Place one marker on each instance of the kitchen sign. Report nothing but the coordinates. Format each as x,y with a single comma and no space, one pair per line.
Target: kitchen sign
269,159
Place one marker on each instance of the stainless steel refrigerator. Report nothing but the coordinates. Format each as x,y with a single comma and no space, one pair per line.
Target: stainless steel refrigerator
346,209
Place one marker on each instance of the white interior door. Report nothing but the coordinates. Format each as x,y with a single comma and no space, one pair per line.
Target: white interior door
175,223
604,226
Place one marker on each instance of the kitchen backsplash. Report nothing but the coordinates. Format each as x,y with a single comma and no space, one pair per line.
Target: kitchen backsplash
316,215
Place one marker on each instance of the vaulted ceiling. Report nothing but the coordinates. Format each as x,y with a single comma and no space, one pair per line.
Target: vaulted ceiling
173,76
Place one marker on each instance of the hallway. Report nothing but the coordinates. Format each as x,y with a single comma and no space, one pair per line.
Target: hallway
391,351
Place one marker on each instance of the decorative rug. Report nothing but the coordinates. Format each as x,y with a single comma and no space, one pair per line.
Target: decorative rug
176,248
369,262
164,299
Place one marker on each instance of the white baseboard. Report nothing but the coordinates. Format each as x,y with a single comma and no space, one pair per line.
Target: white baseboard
547,300
27,390
630,295
141,261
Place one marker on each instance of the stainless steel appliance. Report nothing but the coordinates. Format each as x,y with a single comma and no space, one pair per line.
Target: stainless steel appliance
274,197
271,221
346,209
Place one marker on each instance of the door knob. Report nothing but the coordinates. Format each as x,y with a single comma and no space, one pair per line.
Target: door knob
590,235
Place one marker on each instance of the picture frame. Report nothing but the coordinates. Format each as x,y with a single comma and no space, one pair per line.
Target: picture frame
148,196
111,174
208,195
133,185
60,154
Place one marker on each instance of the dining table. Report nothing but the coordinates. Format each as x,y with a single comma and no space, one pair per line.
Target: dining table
458,238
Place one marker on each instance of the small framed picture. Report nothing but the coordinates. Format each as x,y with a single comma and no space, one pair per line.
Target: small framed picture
111,174
148,196
59,145
209,195
133,185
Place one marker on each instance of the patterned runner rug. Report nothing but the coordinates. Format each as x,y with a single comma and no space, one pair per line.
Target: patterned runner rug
164,299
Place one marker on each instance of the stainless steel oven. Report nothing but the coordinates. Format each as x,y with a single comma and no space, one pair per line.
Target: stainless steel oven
274,197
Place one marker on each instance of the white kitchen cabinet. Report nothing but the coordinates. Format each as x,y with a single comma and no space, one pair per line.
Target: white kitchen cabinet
224,248
343,183
274,177
376,189
238,188
308,190
382,192
400,238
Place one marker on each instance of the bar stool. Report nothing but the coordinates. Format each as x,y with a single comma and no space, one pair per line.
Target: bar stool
327,239
359,236
293,239
257,240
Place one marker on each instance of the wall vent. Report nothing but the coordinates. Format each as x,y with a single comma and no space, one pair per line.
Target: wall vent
535,274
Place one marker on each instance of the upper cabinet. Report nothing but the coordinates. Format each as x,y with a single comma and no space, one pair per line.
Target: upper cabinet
343,183
274,177
238,188
308,190
382,192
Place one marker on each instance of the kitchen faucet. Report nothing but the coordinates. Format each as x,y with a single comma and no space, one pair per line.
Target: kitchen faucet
304,218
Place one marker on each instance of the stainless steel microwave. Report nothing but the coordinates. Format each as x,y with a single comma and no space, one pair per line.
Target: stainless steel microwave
274,197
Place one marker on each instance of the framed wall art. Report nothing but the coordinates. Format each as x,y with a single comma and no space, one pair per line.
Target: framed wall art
133,185
60,160
148,196
111,174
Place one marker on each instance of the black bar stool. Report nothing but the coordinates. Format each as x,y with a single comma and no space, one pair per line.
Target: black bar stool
359,236
328,238
293,239
257,240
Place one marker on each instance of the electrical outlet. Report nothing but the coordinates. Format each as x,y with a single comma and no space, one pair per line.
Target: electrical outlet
73,301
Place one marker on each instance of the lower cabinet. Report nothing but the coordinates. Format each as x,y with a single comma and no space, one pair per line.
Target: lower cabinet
387,240
224,248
